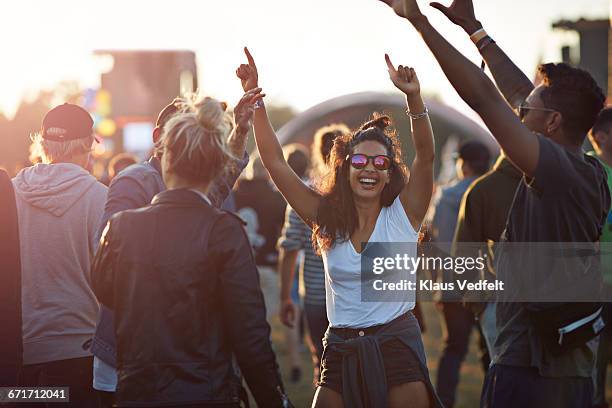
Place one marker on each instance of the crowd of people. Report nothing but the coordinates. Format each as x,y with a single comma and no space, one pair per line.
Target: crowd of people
153,290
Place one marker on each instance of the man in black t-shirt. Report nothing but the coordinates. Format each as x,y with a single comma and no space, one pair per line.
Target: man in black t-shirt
563,196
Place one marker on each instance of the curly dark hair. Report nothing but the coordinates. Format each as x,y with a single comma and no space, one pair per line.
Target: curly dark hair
337,214
574,93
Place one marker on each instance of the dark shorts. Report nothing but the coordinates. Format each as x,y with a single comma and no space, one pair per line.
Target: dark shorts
401,365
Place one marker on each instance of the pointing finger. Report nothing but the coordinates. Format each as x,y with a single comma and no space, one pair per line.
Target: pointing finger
389,63
249,57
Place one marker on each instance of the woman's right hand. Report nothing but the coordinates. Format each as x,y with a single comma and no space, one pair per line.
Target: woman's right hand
248,73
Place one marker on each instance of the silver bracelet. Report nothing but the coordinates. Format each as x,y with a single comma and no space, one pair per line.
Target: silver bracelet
258,104
415,116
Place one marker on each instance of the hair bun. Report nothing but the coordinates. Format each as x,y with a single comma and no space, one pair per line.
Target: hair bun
381,122
210,113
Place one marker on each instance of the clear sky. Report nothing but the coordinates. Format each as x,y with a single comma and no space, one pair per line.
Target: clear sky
307,51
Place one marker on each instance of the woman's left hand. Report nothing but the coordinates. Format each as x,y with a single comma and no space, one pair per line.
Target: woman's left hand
243,111
404,78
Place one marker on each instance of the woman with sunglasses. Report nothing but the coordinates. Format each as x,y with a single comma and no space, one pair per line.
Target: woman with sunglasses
373,355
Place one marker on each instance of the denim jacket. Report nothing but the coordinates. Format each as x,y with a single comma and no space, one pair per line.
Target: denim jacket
134,188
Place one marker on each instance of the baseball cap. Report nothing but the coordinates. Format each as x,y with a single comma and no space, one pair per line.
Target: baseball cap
67,122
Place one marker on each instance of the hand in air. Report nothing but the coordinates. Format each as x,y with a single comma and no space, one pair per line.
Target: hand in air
460,12
404,78
243,111
408,9
248,72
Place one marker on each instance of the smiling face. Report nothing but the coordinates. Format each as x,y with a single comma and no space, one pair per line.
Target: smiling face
368,182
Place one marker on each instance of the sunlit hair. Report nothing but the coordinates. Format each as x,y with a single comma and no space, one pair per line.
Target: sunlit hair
337,216
195,139
321,148
50,151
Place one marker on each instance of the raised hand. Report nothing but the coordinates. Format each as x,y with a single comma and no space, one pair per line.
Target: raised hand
243,111
248,73
460,12
408,9
404,78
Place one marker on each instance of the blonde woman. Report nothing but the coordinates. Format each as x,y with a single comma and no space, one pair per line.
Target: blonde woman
182,283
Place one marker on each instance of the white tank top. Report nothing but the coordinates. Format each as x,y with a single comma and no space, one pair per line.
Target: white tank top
343,274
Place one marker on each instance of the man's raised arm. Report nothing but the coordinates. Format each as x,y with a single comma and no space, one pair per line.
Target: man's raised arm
511,81
477,90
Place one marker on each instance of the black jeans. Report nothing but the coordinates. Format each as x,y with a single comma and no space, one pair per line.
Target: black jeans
459,322
511,387
75,373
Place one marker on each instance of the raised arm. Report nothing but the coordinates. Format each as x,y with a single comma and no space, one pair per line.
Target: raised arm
416,195
477,90
243,117
300,197
511,81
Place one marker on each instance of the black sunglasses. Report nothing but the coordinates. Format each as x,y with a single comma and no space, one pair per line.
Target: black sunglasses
360,161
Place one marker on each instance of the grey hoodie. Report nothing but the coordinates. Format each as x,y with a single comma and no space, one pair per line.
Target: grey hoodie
59,207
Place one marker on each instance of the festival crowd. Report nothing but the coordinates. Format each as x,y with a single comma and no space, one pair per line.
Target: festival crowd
150,292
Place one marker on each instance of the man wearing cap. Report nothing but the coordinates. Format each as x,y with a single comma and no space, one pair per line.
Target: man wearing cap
134,188
59,206
472,162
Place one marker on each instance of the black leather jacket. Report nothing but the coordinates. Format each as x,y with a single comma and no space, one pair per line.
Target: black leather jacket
181,280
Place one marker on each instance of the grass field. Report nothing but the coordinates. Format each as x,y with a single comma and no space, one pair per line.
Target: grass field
468,394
